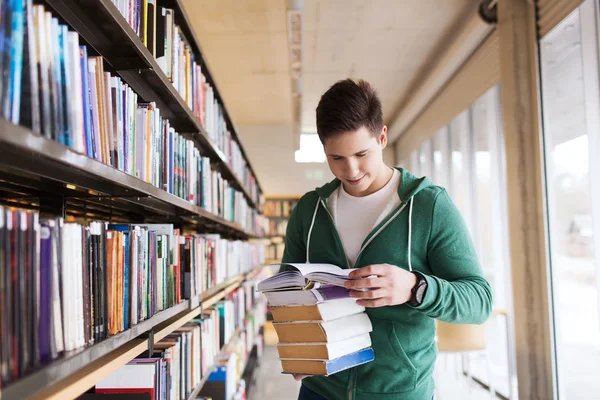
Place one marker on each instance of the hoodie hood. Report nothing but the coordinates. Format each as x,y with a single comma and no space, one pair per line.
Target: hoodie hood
409,186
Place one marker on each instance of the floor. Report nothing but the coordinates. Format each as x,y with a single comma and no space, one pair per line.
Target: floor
268,382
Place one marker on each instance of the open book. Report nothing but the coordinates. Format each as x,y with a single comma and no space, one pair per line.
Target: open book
306,276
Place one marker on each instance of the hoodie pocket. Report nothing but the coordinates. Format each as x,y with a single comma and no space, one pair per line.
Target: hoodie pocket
391,371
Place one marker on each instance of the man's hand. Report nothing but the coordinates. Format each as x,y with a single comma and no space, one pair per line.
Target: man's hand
299,377
389,285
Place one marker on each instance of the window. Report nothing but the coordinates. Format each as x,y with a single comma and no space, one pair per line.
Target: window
441,157
570,103
467,158
311,149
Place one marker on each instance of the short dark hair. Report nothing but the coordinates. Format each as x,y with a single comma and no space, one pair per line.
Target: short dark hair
347,106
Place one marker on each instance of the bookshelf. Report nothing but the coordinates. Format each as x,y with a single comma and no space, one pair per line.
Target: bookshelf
39,157
277,210
101,25
73,374
39,173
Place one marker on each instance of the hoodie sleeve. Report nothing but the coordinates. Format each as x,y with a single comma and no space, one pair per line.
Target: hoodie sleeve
295,246
456,292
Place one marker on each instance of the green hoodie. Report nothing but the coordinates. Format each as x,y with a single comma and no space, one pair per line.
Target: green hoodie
403,336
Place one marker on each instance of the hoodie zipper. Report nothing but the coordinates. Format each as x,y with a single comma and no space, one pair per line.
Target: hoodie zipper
351,388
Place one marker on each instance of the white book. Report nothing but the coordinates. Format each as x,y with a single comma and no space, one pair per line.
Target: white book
135,376
324,311
59,339
75,93
77,246
120,126
323,351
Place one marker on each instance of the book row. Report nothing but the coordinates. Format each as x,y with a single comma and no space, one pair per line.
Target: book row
51,85
274,251
180,361
276,228
279,208
66,285
155,26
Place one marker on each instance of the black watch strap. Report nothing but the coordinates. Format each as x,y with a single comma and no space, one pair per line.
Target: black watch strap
418,291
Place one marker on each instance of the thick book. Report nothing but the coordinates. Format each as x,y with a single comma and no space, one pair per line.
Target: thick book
320,331
305,297
327,367
324,311
305,276
324,351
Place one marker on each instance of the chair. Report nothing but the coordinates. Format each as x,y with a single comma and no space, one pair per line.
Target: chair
463,339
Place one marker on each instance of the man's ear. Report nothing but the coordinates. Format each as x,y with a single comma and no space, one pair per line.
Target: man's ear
383,137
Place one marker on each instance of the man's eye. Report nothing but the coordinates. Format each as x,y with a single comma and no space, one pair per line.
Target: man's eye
337,158
361,154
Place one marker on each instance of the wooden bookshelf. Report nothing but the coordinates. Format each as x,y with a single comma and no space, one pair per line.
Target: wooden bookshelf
25,151
73,374
278,216
39,173
235,334
101,25
45,382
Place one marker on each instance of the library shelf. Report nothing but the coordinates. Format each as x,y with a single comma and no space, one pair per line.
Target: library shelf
77,371
210,369
198,388
182,19
212,297
26,151
254,273
101,25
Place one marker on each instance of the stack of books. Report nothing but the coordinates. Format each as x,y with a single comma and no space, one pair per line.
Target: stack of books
321,329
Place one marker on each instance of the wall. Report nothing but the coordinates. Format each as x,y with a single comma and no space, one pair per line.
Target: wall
271,152
388,155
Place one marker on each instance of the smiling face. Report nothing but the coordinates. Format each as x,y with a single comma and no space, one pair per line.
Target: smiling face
356,159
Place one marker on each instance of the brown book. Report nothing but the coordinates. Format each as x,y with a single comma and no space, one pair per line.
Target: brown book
319,331
325,311
324,351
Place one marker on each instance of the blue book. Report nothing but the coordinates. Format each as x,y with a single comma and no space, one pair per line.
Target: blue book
327,367
16,58
64,85
125,228
85,93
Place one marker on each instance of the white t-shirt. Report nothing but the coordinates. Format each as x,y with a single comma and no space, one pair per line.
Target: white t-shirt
355,217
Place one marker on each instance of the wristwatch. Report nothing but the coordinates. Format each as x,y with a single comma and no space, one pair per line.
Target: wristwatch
418,291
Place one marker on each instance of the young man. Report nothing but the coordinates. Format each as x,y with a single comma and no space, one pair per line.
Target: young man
404,231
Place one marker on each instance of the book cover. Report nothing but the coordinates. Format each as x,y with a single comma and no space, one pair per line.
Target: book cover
86,102
29,104
16,58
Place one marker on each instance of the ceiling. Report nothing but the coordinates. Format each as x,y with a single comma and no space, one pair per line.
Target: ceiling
391,43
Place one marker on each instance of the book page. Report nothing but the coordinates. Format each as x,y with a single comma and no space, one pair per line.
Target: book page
329,268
